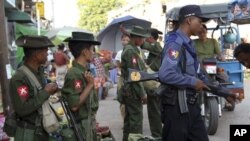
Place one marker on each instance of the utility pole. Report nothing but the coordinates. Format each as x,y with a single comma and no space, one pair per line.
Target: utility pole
4,62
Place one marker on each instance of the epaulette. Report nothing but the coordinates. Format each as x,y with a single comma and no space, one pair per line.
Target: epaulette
173,37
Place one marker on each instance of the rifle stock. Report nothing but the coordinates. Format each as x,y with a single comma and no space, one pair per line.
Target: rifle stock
140,76
71,119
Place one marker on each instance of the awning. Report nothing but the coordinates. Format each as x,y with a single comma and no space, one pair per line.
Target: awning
10,4
18,16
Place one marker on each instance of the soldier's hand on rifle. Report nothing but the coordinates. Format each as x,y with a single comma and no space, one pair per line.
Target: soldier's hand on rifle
89,77
200,85
51,88
144,99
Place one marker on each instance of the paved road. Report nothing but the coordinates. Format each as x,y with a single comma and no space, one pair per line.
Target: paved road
109,114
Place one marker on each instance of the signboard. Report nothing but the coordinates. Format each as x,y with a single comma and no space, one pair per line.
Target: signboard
40,8
239,11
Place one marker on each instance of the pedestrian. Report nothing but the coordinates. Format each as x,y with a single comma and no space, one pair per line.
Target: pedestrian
153,100
61,60
101,76
78,88
179,70
125,40
27,100
134,94
241,53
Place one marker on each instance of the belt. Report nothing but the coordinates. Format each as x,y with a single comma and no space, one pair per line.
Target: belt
26,125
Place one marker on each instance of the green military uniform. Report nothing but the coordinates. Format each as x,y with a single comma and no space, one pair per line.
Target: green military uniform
26,103
132,98
75,83
135,91
153,102
154,57
73,86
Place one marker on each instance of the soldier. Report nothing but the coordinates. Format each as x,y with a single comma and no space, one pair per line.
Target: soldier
78,87
179,70
27,100
134,94
153,101
154,48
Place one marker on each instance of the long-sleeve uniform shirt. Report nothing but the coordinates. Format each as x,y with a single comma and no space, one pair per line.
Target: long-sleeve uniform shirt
74,84
25,102
170,71
154,57
131,59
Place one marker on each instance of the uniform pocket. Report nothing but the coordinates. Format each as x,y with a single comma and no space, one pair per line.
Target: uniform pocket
19,134
29,135
169,98
23,134
168,94
190,68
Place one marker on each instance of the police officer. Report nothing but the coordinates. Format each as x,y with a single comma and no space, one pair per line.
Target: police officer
153,101
179,70
134,94
78,87
27,100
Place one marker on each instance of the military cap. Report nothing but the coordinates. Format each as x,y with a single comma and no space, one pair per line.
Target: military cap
139,31
82,37
192,10
34,41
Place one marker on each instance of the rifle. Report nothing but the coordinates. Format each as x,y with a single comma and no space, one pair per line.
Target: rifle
139,76
71,119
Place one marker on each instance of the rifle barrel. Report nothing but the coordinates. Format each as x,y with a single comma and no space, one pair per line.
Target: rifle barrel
72,120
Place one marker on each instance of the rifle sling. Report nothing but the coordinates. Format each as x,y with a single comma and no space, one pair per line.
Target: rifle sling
37,86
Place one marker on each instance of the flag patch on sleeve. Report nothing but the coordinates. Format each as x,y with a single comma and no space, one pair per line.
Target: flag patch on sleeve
78,84
23,92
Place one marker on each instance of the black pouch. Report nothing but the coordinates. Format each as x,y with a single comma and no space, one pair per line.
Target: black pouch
10,125
167,93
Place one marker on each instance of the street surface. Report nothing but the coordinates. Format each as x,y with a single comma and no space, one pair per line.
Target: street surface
109,114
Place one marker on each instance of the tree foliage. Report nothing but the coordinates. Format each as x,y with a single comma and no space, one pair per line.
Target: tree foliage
94,13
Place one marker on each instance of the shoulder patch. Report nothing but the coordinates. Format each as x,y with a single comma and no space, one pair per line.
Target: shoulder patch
23,92
134,60
173,54
78,84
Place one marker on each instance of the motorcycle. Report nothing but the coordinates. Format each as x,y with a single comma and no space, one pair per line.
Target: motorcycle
210,103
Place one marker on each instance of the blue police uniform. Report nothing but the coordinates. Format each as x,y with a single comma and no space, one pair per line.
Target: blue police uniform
180,126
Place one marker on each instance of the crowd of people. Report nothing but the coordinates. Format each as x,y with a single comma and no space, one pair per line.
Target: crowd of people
84,82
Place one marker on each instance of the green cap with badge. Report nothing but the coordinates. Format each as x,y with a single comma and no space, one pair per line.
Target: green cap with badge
34,41
139,31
